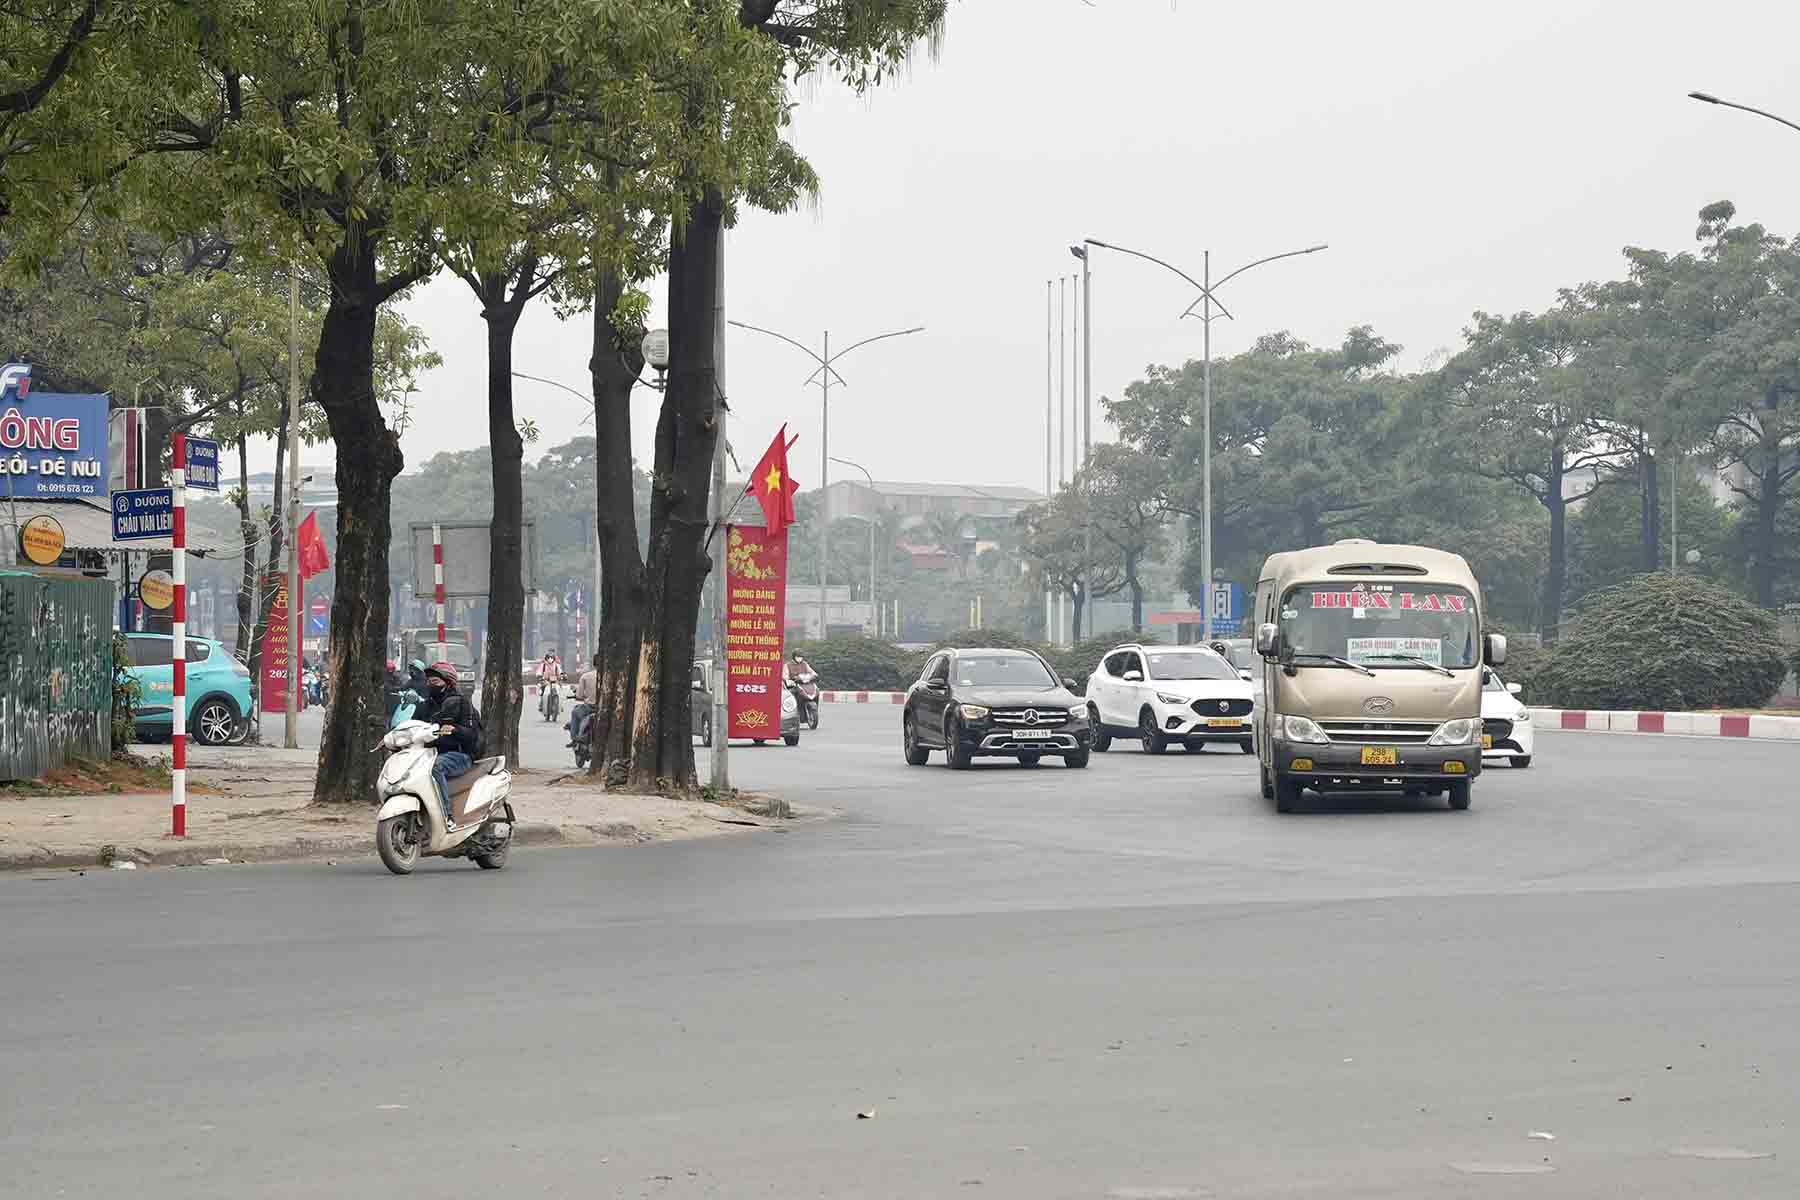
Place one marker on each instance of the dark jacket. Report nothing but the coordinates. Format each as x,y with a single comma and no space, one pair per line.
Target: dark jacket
453,709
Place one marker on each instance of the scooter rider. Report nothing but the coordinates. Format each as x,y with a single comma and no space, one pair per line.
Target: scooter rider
587,693
459,734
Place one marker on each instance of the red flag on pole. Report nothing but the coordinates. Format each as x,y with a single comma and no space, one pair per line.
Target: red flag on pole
313,558
772,486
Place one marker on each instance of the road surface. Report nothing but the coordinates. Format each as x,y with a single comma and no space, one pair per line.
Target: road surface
1131,981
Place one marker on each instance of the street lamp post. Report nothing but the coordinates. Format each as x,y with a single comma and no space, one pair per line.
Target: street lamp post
844,462
827,370
1709,98
1207,301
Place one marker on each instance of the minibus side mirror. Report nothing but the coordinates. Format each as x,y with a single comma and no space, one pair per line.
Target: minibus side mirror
1495,650
1268,640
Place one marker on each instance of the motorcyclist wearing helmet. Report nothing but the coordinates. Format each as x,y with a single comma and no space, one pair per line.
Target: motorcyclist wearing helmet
459,738
415,675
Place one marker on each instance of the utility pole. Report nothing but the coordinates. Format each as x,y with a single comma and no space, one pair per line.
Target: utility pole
292,739
824,479
721,719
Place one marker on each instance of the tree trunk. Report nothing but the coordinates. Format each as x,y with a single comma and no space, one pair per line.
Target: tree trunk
502,693
614,366
1650,509
1137,593
1078,606
662,748
252,537
1556,576
368,458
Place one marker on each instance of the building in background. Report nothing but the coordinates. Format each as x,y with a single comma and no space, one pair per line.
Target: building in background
917,502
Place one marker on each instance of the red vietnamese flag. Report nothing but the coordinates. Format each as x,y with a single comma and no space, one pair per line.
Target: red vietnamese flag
313,558
772,486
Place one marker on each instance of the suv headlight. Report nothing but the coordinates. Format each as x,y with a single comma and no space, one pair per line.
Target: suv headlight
974,712
1300,729
1077,711
1459,732
1172,701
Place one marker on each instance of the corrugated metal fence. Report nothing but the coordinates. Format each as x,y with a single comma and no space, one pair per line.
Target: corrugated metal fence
56,671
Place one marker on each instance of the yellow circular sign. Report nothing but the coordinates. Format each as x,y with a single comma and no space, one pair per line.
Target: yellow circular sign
41,540
157,590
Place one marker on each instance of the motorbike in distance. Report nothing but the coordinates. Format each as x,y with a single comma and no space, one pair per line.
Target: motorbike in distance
805,686
410,823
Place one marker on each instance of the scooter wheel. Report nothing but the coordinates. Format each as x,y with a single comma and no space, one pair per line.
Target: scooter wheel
496,860
398,840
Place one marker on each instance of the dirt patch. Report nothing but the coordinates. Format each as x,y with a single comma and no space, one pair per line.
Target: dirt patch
117,777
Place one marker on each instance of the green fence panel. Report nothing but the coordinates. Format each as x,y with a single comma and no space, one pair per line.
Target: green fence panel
56,669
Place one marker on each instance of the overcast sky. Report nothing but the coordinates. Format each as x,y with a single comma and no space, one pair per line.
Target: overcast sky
1453,161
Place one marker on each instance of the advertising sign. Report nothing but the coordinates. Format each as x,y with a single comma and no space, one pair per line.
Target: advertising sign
41,540
276,655
755,597
144,513
157,590
202,463
53,445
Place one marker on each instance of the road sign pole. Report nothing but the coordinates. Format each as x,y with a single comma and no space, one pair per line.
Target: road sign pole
437,576
178,655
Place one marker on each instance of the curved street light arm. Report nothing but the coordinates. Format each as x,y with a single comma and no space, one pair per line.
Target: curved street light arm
844,462
1159,262
553,383
1709,98
801,346
1259,262
878,337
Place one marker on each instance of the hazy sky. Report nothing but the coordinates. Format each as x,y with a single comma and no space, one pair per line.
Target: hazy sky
1454,156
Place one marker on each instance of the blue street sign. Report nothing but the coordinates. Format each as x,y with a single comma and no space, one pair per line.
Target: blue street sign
144,513
1229,602
203,464
50,444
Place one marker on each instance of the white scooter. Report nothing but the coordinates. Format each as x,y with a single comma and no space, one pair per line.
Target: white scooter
411,821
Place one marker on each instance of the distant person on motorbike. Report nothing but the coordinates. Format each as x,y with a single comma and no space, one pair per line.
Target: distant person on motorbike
549,675
415,676
587,694
459,733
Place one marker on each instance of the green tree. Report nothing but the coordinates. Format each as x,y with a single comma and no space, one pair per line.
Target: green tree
1531,415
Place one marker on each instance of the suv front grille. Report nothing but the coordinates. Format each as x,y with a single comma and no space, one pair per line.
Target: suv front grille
1221,708
1030,717
1393,733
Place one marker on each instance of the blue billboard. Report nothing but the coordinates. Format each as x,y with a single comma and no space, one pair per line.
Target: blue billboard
52,445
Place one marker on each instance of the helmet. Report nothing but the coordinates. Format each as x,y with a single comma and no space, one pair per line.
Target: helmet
798,657
392,665
417,664
444,671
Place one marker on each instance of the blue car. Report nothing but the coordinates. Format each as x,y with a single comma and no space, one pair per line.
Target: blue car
218,689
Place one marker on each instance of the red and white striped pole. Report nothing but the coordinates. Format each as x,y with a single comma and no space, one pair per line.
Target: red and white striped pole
437,575
178,655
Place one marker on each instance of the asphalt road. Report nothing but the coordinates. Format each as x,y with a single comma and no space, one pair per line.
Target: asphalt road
1131,981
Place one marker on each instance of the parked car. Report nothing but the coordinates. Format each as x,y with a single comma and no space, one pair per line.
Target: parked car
989,703
701,712
219,698
1163,696
1505,721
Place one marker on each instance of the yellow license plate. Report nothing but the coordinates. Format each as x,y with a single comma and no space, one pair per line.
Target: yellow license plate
1487,741
1225,723
1380,756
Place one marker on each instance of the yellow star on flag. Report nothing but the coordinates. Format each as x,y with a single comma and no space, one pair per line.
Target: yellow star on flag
772,481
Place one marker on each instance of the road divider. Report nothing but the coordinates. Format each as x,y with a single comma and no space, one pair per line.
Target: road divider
1759,726
863,697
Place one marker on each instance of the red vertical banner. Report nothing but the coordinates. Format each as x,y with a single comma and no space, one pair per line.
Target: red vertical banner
755,599
277,654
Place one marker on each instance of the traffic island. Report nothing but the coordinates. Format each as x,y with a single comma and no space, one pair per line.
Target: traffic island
257,807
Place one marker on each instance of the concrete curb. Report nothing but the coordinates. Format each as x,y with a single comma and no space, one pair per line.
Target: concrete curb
863,697
1754,726
40,858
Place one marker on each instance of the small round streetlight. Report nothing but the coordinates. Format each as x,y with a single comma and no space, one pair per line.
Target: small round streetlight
656,350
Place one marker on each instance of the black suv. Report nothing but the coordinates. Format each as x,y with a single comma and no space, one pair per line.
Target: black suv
991,703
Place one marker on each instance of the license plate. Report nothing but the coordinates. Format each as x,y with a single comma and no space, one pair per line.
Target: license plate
1487,741
1380,756
1033,735
1225,723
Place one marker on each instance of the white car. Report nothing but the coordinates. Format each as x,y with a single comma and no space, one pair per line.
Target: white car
1505,721
1170,695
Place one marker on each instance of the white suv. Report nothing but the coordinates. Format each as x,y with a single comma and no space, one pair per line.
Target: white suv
1164,695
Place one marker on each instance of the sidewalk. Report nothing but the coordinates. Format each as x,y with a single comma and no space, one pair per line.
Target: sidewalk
262,811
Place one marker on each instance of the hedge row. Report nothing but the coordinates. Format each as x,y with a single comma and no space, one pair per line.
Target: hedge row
861,664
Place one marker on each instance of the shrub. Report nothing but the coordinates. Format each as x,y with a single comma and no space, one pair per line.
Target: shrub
857,664
1666,642
127,694
1525,666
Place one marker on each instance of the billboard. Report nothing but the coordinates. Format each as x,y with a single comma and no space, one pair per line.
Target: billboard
53,445
755,594
277,654
466,561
